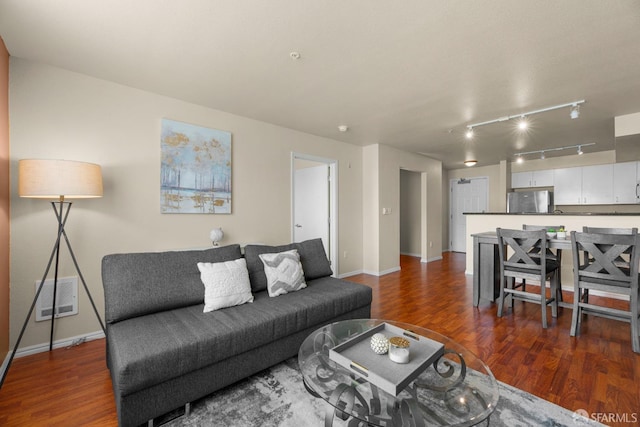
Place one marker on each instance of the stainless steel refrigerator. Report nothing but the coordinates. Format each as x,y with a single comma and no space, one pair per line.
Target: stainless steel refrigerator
530,202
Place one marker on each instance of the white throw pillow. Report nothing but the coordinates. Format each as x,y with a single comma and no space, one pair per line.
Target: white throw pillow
225,284
284,272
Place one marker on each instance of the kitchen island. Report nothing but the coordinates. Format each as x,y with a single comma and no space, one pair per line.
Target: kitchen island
478,223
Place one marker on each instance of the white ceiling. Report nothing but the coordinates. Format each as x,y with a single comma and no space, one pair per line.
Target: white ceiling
410,74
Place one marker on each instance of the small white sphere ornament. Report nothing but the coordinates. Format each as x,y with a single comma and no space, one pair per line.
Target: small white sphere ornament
379,344
216,235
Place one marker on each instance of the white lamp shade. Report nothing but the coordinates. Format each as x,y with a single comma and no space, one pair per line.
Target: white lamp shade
52,179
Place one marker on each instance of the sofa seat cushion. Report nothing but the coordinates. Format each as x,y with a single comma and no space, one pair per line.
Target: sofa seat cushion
151,349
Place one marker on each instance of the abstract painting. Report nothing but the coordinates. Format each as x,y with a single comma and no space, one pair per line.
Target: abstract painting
195,174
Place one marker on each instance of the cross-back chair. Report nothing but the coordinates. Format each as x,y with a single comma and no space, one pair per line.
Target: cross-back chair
599,269
525,265
620,260
556,256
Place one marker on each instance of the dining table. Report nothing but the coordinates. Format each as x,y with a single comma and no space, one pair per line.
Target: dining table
486,265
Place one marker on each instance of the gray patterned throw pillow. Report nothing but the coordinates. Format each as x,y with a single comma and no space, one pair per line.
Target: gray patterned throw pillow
284,272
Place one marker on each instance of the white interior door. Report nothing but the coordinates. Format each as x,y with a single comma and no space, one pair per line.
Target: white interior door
311,204
467,195
314,202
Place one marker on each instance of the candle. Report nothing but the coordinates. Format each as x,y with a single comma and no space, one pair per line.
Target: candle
400,355
399,350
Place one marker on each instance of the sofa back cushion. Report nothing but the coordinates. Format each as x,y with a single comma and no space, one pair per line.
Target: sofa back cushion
312,256
136,284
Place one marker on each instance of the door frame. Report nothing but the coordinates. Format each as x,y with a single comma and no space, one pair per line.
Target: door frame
333,203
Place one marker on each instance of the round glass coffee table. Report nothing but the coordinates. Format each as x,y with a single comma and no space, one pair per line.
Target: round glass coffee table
451,387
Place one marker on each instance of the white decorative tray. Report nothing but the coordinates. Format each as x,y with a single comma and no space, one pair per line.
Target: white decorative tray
356,356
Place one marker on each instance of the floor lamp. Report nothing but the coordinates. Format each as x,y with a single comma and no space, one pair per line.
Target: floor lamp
58,180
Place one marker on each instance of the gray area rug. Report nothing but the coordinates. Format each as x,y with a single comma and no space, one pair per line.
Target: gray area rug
277,397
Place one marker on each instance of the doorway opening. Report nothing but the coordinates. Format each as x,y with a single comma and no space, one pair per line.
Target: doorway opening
314,202
411,213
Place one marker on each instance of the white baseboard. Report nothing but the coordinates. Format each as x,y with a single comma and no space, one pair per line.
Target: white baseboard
349,274
383,272
3,368
435,258
41,348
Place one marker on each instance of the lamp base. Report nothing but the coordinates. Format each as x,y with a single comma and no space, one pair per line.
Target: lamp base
61,216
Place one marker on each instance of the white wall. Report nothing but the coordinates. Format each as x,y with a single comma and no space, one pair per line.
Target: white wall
59,114
381,178
370,203
628,124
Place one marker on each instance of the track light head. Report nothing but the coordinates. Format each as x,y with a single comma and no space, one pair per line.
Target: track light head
580,152
469,133
520,159
523,124
575,111
542,155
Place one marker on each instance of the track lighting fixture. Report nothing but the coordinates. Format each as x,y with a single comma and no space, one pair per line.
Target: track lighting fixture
520,156
575,113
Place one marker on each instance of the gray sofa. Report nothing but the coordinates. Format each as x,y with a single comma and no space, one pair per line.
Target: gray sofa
164,352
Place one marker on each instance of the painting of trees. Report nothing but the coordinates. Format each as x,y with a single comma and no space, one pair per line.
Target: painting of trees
195,169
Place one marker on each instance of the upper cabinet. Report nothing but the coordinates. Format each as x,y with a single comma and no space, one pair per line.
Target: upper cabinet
567,186
610,184
625,183
542,178
588,185
597,185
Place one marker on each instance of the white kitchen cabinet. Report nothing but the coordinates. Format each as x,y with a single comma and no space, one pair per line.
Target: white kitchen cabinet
543,178
567,186
625,183
521,180
597,185
587,185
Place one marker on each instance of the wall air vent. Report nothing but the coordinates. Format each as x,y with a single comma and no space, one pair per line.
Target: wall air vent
66,298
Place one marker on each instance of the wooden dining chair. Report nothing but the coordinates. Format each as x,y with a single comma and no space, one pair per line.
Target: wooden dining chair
597,269
556,256
524,266
620,260
600,230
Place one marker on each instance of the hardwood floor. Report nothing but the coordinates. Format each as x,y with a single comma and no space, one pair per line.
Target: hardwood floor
596,372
